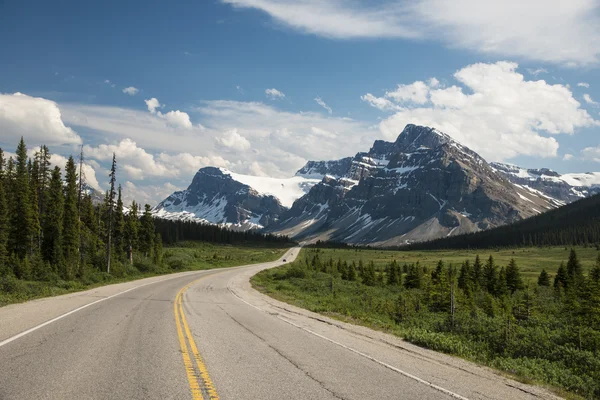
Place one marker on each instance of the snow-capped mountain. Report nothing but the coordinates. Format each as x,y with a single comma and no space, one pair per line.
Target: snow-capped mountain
240,201
422,186
566,187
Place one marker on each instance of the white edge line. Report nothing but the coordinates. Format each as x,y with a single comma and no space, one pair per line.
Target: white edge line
35,328
43,324
386,365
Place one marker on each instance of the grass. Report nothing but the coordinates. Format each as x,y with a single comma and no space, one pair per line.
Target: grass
539,350
531,260
186,256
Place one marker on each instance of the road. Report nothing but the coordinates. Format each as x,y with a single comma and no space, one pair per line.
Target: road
208,334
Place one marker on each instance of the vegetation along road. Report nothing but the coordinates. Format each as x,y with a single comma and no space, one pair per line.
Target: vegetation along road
208,334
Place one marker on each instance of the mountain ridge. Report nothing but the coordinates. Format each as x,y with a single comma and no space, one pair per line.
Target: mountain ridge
422,186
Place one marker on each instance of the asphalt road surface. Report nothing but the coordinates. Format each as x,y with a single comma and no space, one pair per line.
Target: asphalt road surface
209,335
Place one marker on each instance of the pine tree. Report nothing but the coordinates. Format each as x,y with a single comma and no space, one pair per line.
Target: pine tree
574,270
36,228
131,231
4,224
477,277
561,280
110,210
21,218
368,277
119,226
465,276
352,272
544,278
146,236
71,228
53,222
490,275
514,281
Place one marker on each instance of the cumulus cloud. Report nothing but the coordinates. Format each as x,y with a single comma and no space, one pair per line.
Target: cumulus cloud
546,30
89,173
177,119
274,94
38,120
152,104
147,193
588,99
131,90
283,141
567,157
493,110
323,104
591,154
583,84
234,140
416,92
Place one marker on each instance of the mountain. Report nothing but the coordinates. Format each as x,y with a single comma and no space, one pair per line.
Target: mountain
424,185
566,187
222,197
577,223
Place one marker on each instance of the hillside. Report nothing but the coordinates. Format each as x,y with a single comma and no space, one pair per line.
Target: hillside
577,223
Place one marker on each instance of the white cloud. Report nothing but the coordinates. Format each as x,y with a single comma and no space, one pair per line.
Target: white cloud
177,119
588,99
323,104
496,112
240,89
89,173
567,157
152,104
109,83
134,160
583,84
536,72
283,141
137,163
38,120
591,154
380,103
416,92
131,90
234,140
147,194
548,30
274,94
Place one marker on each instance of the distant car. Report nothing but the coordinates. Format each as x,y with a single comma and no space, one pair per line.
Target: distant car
284,260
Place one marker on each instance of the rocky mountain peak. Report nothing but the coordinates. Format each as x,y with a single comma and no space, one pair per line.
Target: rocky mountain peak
414,137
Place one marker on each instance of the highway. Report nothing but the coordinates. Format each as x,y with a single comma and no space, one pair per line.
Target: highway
209,335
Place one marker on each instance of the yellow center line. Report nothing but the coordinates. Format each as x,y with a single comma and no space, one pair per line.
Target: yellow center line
182,326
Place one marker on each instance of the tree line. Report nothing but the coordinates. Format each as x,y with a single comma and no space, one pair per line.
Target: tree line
50,227
574,224
173,231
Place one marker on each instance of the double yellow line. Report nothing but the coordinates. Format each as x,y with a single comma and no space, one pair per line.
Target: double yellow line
198,384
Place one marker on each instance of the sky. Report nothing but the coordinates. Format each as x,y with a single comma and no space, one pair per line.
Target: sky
261,86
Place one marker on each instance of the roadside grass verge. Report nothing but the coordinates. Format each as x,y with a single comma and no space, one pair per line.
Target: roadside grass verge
534,334
185,256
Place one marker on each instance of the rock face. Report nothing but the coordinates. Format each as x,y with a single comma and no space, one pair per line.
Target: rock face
566,188
215,197
424,185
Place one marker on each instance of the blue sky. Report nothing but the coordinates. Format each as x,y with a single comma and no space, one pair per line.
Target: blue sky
235,83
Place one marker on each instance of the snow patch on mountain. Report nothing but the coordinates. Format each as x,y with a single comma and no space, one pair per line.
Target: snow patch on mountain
287,190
